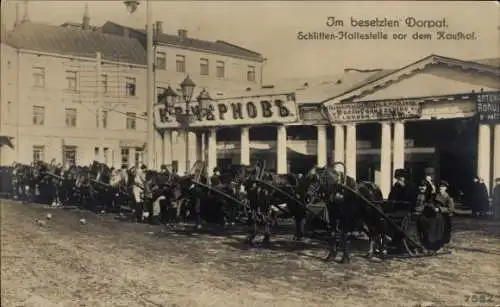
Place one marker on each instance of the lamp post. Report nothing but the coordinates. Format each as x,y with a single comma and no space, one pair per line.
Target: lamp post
186,117
150,89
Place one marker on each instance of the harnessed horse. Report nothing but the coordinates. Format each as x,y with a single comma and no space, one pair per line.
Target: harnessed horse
348,211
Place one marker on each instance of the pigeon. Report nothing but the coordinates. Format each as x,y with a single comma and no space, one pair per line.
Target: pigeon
49,216
83,221
40,222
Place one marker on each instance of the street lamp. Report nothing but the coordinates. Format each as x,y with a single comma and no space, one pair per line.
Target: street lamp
150,97
186,117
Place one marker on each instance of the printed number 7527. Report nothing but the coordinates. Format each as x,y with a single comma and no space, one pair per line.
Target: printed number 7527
479,298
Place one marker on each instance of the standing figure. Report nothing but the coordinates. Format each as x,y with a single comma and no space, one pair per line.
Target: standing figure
137,190
444,200
496,199
479,201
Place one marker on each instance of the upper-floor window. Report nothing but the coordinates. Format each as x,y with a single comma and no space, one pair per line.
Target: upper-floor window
204,67
161,60
130,123
105,119
130,86
70,118
180,63
251,73
38,115
220,69
101,119
71,80
104,83
38,153
38,77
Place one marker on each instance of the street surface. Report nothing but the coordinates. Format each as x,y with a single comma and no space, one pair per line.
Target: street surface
107,262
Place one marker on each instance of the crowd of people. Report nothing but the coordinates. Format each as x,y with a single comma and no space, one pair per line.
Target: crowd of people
476,197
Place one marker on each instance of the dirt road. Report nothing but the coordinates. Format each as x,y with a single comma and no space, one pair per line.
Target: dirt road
60,262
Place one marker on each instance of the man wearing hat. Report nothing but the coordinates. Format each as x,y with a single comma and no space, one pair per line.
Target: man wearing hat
443,199
403,190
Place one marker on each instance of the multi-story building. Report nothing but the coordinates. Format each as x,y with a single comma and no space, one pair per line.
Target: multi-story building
66,77
216,66
72,94
220,68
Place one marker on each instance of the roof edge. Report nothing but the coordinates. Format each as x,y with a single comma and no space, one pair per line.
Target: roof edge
432,58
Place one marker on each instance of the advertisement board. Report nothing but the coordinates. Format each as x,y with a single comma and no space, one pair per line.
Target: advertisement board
252,110
378,110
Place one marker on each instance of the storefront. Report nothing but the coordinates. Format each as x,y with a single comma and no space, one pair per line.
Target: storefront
200,125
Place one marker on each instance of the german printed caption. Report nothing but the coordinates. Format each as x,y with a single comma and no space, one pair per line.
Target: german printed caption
399,29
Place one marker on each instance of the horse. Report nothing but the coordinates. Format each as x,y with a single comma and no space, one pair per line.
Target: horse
348,211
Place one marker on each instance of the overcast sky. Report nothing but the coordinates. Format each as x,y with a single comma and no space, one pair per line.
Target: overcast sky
271,29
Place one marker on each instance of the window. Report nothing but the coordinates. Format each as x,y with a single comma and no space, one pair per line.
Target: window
38,115
101,121
130,123
204,67
96,153
251,73
69,154
161,60
70,118
124,153
38,153
104,83
139,157
106,156
180,63
175,165
220,69
38,77
105,119
129,86
71,81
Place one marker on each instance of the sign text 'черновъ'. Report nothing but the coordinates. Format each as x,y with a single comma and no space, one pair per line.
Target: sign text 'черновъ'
402,29
256,110
488,107
374,110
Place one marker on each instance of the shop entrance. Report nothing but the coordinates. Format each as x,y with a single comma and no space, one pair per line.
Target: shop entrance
455,151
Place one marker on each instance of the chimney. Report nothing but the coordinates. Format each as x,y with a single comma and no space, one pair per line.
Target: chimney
86,19
159,27
18,15
183,33
26,15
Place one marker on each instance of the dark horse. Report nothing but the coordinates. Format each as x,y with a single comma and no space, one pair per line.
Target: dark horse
351,207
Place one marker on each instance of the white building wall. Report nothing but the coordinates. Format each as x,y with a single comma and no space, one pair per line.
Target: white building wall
235,70
20,96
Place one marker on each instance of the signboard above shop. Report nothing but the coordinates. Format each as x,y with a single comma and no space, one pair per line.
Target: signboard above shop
252,110
488,106
378,110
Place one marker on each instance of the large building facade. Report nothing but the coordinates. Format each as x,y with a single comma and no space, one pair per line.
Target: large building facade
219,68
78,92
425,117
71,95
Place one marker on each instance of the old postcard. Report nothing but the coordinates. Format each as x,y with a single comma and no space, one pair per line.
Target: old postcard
250,153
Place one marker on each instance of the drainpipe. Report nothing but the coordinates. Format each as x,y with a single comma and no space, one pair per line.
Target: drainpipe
264,62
